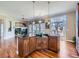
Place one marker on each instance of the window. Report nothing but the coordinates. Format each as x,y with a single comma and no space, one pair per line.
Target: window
58,25
36,28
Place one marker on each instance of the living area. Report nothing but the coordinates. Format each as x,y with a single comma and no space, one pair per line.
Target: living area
39,29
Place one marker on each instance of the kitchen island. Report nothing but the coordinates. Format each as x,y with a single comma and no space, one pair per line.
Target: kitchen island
27,45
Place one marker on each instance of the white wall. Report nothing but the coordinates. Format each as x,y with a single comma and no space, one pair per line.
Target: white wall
70,26
8,34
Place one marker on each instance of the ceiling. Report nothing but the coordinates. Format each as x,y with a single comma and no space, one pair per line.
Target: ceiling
19,9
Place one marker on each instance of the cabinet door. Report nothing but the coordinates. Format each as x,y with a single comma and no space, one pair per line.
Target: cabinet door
44,43
26,46
20,47
32,44
53,43
39,43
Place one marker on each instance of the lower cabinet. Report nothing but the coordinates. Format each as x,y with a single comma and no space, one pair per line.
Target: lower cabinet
32,44
53,43
26,47
23,46
20,47
42,43
45,43
39,43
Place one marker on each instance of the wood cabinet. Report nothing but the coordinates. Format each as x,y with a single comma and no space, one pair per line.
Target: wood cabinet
20,47
53,43
23,46
44,42
26,46
32,44
39,43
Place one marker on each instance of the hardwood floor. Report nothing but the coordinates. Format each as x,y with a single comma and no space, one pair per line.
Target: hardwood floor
8,49
43,54
67,50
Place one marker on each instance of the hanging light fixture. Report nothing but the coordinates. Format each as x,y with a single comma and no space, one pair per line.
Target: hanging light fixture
39,13
48,12
47,18
39,8
33,11
40,20
48,7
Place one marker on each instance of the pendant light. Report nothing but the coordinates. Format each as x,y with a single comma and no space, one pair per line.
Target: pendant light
40,21
33,9
33,12
48,7
47,20
48,12
33,22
